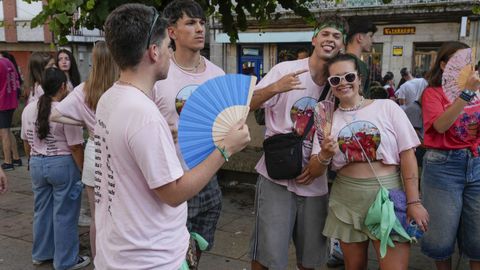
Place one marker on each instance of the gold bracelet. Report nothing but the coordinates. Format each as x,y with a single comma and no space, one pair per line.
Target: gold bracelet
325,162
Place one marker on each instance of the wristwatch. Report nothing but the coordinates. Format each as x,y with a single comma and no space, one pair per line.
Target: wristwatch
467,95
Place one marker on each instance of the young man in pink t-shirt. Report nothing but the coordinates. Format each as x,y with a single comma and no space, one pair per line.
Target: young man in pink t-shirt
141,188
294,208
188,70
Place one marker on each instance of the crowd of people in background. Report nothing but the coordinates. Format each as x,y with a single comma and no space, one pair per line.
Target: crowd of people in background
146,204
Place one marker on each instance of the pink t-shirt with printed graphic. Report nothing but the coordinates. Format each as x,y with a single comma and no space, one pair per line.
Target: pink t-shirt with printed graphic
291,111
171,94
74,106
135,154
381,128
57,141
465,131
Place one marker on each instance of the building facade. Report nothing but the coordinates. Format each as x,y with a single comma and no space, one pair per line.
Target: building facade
409,34
18,38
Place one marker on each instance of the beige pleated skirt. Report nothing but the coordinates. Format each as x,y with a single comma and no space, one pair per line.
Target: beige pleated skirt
350,199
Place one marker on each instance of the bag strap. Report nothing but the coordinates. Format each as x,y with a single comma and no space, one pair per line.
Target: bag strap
363,151
325,91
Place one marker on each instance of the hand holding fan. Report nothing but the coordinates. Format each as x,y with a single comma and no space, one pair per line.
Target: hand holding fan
456,72
323,118
210,112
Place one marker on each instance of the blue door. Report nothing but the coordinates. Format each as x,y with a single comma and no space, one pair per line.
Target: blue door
251,61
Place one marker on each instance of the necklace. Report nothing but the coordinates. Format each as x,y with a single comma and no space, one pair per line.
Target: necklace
133,85
354,107
194,68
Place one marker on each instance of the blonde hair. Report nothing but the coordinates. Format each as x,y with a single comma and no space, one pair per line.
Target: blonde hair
103,74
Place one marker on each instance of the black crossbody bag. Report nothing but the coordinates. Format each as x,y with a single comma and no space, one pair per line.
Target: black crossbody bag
284,152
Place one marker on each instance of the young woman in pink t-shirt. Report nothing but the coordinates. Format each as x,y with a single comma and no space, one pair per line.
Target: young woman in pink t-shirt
37,63
451,166
55,152
79,108
66,63
371,141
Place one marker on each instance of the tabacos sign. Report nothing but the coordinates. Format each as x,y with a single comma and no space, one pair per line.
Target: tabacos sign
410,30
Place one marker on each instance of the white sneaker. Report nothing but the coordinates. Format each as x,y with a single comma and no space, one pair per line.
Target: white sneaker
84,220
82,261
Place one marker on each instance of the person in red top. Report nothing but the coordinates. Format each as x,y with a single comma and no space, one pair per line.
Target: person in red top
451,166
9,84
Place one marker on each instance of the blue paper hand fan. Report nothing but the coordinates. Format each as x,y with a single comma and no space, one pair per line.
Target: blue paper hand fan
210,112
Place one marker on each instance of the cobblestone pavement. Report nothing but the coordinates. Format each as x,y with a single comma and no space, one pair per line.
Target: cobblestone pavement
232,237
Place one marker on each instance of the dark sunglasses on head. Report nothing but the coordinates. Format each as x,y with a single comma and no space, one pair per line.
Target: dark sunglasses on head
152,26
348,77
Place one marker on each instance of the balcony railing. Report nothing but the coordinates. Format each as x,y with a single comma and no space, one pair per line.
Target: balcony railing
331,4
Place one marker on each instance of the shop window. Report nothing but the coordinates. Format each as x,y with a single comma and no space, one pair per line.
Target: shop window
424,57
374,62
287,51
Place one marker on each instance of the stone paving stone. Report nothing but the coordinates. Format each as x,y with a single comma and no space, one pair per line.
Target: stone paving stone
16,255
230,245
5,213
212,261
16,226
241,225
225,218
17,202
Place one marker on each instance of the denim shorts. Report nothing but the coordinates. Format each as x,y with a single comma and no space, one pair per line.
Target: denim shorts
451,194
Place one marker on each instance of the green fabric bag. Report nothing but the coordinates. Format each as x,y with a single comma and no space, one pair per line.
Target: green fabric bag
381,220
202,245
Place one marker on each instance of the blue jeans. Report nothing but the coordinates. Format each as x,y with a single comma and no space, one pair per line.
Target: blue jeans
56,188
451,195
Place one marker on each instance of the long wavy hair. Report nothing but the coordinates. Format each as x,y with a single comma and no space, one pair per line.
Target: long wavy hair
103,74
73,74
53,80
36,67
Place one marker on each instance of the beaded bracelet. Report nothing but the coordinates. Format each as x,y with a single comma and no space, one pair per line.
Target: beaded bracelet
223,152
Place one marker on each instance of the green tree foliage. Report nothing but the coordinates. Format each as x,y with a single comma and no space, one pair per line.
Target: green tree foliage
63,15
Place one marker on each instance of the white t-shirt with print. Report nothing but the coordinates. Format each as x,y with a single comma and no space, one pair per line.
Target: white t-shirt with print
382,129
171,94
135,154
58,139
291,111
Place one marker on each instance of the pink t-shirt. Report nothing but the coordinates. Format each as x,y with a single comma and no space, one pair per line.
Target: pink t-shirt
74,106
35,94
57,141
291,111
171,94
9,84
135,154
382,129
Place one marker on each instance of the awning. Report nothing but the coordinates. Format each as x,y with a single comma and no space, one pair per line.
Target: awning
268,37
